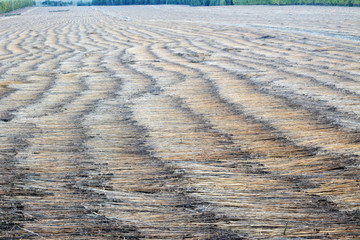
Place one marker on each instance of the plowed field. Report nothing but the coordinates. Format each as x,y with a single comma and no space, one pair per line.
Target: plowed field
173,122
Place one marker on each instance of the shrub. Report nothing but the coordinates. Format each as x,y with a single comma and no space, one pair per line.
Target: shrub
9,5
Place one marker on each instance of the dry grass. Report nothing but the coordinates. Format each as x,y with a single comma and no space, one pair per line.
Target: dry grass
218,123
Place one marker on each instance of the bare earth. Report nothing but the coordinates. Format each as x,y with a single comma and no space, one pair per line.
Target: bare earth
173,122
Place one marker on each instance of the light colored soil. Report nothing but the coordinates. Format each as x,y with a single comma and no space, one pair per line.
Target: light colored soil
174,122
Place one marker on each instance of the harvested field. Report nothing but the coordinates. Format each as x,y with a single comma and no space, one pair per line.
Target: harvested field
174,122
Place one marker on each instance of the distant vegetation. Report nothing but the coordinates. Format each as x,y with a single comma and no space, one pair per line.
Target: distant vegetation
8,5
81,3
229,2
299,2
56,3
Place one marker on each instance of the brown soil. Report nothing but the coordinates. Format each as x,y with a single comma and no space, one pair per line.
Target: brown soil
173,122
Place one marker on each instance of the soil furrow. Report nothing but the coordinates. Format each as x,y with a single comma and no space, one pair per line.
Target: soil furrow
278,116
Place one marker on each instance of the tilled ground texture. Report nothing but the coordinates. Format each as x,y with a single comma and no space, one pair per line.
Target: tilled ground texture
172,122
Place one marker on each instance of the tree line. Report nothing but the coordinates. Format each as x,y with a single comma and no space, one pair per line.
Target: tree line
56,3
229,2
10,5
